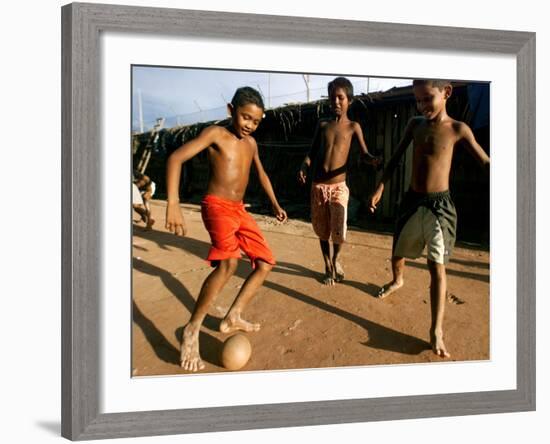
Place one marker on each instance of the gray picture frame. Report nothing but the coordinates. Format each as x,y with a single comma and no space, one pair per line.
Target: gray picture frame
81,231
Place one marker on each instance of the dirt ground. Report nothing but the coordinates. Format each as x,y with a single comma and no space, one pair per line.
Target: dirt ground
304,324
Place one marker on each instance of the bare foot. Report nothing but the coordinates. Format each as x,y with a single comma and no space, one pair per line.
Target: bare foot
150,223
438,346
328,279
389,288
339,272
189,357
234,323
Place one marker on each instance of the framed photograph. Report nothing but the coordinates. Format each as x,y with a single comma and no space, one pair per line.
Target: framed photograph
308,310
123,310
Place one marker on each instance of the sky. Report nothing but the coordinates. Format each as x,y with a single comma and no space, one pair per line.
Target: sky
189,95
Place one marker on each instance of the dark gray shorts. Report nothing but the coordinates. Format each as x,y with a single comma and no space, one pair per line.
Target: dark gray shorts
425,219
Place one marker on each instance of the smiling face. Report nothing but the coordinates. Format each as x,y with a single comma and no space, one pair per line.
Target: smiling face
339,101
246,118
430,100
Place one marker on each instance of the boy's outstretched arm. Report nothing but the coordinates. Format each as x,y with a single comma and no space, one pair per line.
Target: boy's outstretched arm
392,164
365,154
304,168
280,214
174,218
466,137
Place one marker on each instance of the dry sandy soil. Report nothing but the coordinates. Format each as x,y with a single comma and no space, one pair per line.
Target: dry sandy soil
304,324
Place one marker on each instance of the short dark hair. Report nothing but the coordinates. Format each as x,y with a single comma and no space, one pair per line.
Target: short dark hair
245,95
341,82
436,83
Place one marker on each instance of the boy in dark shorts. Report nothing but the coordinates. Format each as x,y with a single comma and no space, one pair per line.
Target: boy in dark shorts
327,162
232,151
427,215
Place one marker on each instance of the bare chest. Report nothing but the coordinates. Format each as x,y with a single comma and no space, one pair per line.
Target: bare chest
232,153
437,142
338,137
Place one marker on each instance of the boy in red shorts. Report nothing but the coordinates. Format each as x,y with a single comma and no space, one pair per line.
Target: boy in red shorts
232,150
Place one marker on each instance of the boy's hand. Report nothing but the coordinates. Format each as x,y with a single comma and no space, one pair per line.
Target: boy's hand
370,160
375,198
302,175
279,213
174,219
375,160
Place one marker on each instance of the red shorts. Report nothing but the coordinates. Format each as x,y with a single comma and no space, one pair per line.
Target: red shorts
231,230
